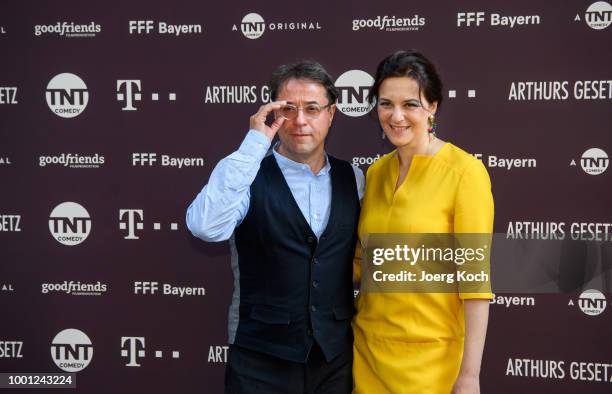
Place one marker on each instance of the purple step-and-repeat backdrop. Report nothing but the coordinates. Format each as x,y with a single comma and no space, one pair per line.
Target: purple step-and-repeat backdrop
112,117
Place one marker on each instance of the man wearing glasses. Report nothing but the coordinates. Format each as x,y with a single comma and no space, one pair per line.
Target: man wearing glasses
291,218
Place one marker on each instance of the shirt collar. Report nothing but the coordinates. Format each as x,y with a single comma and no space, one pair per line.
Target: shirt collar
287,163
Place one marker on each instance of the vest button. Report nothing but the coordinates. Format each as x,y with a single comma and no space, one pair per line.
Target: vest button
315,261
315,284
310,240
313,308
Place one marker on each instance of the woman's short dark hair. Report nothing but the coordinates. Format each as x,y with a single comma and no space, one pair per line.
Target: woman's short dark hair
411,64
308,70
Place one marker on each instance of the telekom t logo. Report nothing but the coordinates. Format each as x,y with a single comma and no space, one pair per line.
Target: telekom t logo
133,223
134,350
132,220
131,93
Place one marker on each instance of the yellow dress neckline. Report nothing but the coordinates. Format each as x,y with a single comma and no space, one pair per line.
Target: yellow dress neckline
396,156
416,158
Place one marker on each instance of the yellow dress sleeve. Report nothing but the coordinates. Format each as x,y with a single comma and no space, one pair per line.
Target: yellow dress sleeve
474,201
474,211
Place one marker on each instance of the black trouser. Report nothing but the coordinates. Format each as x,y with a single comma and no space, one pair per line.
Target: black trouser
251,372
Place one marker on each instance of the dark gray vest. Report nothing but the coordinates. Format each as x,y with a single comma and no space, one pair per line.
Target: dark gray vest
295,289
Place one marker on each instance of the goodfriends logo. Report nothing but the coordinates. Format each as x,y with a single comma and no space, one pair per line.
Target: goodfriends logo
253,26
390,23
365,160
598,16
354,87
67,95
594,161
69,223
72,160
75,288
71,350
68,29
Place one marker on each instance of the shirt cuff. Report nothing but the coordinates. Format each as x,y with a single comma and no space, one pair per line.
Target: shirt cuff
255,144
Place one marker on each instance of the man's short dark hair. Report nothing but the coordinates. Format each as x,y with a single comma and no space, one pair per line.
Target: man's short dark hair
308,70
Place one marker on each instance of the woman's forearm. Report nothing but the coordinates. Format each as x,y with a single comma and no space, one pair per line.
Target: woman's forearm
476,320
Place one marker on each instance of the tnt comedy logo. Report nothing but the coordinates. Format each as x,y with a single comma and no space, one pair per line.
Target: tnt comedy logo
71,350
354,87
591,302
67,95
599,15
69,223
252,26
594,161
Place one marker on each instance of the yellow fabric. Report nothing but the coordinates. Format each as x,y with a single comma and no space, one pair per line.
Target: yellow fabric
413,342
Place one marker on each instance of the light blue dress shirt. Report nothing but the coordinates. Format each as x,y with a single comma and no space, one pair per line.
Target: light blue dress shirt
224,202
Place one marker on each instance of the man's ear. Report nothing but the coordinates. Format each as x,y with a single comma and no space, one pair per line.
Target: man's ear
332,112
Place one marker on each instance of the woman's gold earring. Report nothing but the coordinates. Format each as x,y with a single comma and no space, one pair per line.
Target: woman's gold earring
432,124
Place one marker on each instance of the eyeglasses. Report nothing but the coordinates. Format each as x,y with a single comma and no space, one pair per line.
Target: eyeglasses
311,111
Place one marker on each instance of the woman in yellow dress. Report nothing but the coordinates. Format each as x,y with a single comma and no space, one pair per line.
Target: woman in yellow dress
420,342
